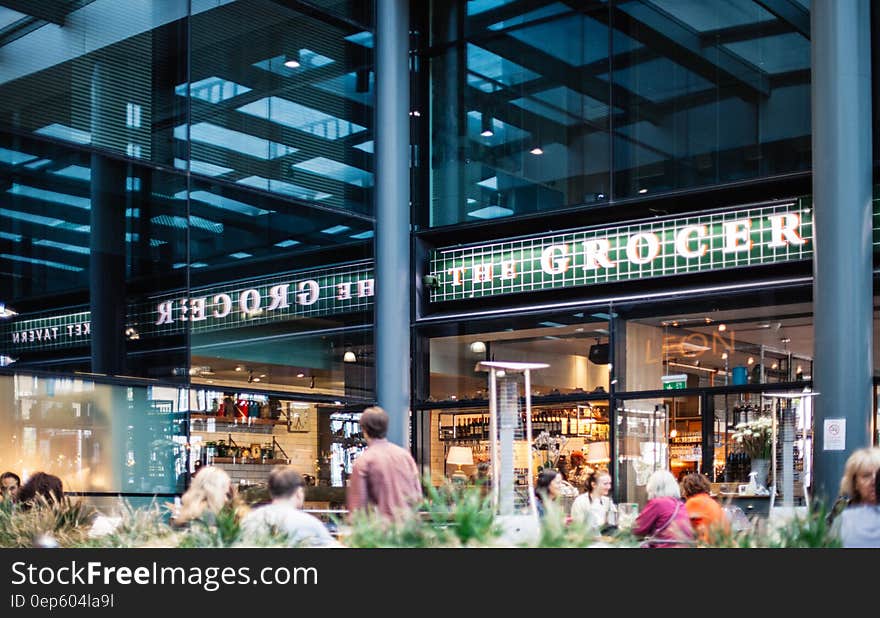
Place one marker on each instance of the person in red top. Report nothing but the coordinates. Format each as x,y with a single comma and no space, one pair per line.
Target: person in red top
664,520
707,516
385,477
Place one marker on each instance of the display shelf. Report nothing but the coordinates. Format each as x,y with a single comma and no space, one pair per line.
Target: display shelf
201,422
249,460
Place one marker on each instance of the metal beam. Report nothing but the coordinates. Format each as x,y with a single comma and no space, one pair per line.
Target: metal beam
791,12
660,31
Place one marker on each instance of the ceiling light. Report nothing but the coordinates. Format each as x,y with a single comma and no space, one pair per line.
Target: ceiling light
486,126
774,365
785,340
537,150
292,64
239,368
349,357
643,191
724,356
751,360
256,379
300,375
722,327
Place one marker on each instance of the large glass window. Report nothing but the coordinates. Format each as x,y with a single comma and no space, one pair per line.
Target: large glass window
716,347
282,101
104,74
535,108
95,437
519,120
575,345
717,92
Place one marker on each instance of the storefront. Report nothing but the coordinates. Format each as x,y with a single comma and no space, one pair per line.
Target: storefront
661,335
280,369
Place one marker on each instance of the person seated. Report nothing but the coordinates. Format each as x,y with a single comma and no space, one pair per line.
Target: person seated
663,522
284,514
210,491
594,508
707,516
9,484
548,489
41,489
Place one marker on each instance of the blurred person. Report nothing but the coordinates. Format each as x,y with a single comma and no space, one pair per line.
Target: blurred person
594,507
706,515
385,476
9,485
40,487
664,521
210,491
284,514
548,488
858,525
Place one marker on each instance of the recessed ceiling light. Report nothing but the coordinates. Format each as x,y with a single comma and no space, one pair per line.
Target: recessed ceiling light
537,150
722,327
643,191
292,64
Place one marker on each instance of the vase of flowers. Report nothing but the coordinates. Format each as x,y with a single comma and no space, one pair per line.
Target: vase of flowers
755,438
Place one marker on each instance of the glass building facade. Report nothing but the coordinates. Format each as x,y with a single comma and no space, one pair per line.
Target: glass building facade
187,220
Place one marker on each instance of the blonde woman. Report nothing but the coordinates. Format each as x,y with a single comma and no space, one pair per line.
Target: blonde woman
210,491
859,523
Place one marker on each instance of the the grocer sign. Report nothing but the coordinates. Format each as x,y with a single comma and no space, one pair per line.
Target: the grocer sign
742,237
317,293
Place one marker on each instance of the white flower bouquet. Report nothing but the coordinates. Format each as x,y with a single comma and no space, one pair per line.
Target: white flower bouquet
755,437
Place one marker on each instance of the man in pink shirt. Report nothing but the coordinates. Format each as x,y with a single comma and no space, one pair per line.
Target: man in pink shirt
385,477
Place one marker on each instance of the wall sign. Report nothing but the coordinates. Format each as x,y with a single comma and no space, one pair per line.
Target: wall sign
744,237
316,293
674,382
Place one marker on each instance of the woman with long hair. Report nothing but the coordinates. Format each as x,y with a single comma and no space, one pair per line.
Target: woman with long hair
594,508
210,491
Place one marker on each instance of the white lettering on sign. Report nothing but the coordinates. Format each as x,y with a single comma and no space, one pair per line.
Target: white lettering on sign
456,274
197,309
784,227
736,236
688,240
223,302
482,273
365,288
309,297
253,301
249,301
508,269
164,310
50,333
278,294
555,265
686,235
652,243
596,254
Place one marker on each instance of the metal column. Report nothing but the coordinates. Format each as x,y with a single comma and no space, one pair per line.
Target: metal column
393,272
841,107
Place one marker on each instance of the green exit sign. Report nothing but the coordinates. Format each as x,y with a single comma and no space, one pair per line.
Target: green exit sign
674,382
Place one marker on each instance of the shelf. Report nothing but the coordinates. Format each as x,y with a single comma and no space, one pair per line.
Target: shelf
249,460
239,421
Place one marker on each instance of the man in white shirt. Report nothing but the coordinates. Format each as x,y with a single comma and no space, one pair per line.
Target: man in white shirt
284,515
